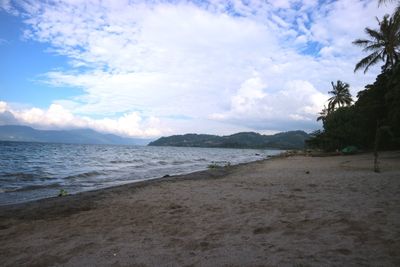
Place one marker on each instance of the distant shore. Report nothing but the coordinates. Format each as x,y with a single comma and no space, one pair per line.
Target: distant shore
294,211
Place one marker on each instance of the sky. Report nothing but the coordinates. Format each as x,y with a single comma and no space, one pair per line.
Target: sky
156,68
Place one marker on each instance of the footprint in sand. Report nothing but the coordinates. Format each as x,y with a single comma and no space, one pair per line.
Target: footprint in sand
262,230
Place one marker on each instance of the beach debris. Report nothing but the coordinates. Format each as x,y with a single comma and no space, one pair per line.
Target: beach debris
63,193
262,230
175,206
167,175
307,172
213,165
219,164
350,150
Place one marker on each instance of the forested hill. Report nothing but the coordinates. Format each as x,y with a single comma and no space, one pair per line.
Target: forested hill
285,140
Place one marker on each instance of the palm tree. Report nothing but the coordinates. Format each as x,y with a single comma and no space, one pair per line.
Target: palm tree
380,2
323,114
385,1
384,43
341,96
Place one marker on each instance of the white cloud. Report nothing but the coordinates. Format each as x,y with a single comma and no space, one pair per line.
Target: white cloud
257,107
341,22
3,106
3,41
246,65
56,116
8,7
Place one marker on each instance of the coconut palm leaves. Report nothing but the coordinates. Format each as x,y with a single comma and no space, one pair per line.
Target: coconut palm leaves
340,96
323,114
383,44
391,1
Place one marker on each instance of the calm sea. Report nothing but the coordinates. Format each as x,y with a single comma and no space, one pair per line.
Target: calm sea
30,171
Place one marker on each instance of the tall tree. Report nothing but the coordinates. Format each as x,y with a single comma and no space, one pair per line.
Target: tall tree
384,43
340,95
323,114
391,1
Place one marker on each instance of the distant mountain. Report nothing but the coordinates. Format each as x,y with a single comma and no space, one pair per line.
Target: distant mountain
285,140
78,136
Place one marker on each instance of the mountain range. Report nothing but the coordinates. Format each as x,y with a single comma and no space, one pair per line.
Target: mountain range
284,140
76,136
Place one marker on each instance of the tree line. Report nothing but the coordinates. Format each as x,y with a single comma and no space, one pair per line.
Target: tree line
371,122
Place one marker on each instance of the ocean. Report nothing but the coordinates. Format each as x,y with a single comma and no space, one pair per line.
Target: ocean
30,171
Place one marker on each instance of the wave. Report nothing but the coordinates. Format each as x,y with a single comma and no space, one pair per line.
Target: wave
85,175
126,161
32,167
179,162
30,188
22,175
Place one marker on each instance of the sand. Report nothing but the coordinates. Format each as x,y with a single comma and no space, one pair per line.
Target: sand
295,211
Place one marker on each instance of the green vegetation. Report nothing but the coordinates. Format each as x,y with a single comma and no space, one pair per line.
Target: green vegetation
287,140
373,121
383,44
216,165
375,113
340,96
63,193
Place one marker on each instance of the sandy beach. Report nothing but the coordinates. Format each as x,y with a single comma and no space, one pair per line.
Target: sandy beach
294,211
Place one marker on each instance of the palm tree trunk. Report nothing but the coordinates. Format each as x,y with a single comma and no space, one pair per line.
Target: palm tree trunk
376,147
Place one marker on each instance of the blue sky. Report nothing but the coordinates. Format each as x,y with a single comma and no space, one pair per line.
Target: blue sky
152,68
22,64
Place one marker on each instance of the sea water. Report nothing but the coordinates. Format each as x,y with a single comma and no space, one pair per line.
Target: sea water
30,171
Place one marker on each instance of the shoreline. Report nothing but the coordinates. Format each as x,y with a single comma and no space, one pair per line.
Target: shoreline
285,211
132,185
213,173
136,166
141,182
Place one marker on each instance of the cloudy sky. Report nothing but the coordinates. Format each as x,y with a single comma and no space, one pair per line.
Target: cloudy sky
152,68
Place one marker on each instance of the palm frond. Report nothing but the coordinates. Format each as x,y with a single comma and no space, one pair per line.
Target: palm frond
365,61
340,95
331,98
362,42
380,2
373,62
373,47
384,42
374,33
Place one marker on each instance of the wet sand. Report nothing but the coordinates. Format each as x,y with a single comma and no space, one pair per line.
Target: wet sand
295,211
